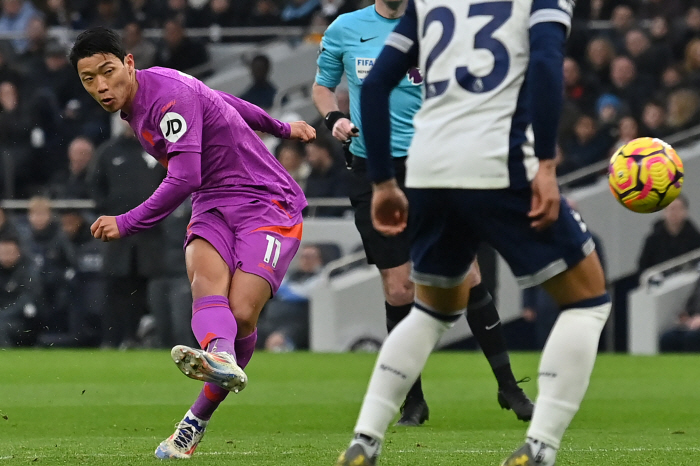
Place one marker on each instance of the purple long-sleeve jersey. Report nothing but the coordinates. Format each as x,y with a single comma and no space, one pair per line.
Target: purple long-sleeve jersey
207,141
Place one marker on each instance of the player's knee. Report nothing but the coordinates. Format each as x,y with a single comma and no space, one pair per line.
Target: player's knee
399,293
246,323
202,285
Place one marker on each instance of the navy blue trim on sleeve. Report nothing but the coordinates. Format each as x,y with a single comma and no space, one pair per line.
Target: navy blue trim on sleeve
546,80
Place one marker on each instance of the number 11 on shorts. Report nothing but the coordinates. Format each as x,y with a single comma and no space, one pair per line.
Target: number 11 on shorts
272,243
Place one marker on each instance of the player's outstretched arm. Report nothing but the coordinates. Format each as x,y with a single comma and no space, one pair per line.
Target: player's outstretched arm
184,177
256,117
547,41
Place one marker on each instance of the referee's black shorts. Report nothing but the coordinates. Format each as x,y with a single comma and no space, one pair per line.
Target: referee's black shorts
385,251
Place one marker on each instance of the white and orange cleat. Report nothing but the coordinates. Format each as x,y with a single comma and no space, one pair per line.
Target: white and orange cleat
182,444
218,368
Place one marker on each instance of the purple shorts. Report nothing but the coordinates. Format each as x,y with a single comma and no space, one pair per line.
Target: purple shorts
257,237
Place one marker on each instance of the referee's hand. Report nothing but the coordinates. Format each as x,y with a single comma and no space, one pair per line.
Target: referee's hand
389,208
343,130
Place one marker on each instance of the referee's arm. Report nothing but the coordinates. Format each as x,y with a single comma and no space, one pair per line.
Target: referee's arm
330,71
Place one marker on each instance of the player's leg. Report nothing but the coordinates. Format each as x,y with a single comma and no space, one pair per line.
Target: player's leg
442,253
391,256
485,324
568,356
212,324
564,260
398,294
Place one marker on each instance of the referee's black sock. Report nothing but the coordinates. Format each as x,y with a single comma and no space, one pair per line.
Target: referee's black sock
394,315
486,326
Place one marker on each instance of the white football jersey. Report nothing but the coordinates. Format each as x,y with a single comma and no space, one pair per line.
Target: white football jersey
473,130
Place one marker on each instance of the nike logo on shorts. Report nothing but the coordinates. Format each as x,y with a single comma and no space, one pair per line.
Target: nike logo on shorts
489,327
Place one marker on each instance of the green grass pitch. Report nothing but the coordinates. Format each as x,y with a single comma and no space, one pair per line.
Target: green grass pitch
113,408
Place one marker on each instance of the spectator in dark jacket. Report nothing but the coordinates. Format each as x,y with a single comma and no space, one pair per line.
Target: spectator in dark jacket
73,183
177,51
328,177
670,237
123,177
685,335
262,91
20,291
84,284
49,250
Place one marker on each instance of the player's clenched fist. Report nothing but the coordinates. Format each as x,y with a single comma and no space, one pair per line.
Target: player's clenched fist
389,208
302,131
105,228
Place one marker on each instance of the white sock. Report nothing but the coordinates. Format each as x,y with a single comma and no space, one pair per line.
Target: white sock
400,361
565,369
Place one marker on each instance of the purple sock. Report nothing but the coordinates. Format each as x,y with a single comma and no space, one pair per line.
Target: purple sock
213,323
208,400
245,347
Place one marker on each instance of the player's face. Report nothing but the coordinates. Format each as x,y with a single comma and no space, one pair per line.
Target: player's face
108,80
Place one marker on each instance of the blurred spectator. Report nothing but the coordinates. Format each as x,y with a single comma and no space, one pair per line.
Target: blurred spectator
224,13
692,62
656,8
143,50
182,12
147,13
177,51
20,291
262,91
284,325
685,335
328,177
58,14
299,12
124,176
318,25
291,156
33,56
683,109
8,72
15,18
671,80
265,13
688,31
622,20
647,60
599,56
84,284
169,294
625,84
49,251
627,129
670,237
331,9
654,120
62,110
110,14
73,184
7,226
580,92
22,174
589,145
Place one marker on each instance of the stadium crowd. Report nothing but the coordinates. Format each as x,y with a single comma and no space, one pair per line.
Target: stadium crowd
636,75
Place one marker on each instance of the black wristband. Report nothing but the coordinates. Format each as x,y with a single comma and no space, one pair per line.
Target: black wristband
332,118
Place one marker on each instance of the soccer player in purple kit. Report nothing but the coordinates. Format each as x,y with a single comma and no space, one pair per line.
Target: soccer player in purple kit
246,210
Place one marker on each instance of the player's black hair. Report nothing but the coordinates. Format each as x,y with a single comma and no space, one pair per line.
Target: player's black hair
98,40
